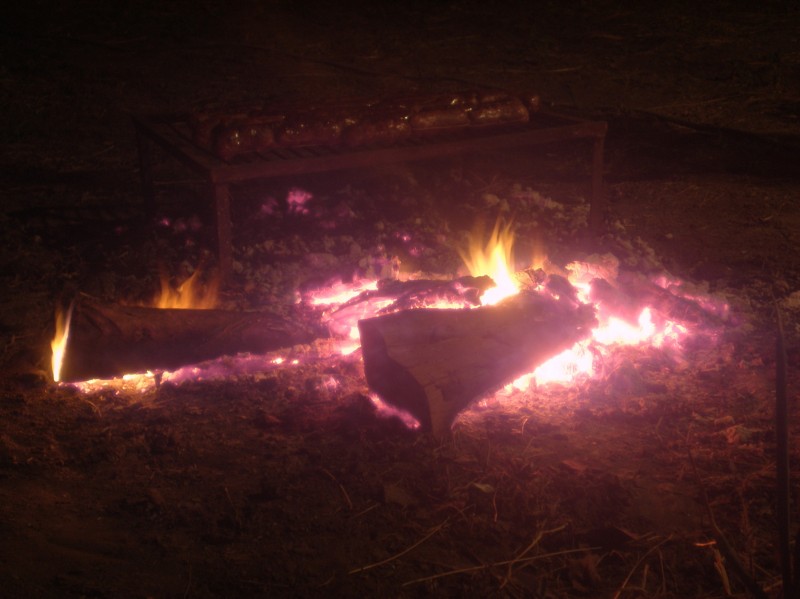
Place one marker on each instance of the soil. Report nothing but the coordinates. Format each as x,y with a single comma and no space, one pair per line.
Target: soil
651,480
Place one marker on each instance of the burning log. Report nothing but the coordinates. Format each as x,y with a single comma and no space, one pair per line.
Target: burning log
406,295
110,340
641,290
393,296
434,363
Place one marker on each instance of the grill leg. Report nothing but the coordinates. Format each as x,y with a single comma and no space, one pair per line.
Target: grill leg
597,208
222,204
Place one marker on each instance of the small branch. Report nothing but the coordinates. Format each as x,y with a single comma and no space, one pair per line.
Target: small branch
341,488
782,459
402,553
636,566
94,407
724,546
496,564
365,510
236,516
522,554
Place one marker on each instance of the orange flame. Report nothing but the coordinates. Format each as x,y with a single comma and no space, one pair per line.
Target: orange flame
191,294
59,342
494,257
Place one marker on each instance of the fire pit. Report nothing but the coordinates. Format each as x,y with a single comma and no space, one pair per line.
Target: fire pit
430,347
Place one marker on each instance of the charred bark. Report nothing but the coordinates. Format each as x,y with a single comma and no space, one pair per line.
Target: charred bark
110,340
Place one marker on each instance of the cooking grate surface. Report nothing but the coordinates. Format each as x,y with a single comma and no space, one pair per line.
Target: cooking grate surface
173,134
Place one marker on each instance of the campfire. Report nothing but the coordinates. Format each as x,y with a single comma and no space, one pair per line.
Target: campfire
430,346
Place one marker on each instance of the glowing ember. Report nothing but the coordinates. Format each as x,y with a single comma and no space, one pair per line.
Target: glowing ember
616,330
341,306
345,324
386,410
566,366
339,293
191,294
59,342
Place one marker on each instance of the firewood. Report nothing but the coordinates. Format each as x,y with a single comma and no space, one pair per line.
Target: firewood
405,295
111,340
434,363
394,296
675,307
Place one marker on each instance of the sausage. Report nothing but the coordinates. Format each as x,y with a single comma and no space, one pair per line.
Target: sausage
440,118
313,129
386,130
244,135
386,122
511,110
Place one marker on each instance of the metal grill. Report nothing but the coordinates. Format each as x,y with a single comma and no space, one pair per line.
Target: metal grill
173,134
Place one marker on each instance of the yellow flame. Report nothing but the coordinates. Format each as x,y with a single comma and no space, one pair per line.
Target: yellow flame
59,342
191,294
493,256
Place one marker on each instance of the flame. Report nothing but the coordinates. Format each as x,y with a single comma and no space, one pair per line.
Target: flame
493,257
618,331
566,366
191,294
486,255
59,342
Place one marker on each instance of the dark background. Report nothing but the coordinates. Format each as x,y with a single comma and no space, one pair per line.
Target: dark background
273,488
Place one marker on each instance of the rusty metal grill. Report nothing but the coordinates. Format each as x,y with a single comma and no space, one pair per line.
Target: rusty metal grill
173,135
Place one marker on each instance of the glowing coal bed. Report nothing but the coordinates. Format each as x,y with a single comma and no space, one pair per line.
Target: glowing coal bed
634,314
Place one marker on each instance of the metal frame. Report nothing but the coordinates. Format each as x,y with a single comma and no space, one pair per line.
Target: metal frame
174,136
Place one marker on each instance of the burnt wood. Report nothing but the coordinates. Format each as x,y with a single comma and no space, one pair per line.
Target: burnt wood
434,363
111,340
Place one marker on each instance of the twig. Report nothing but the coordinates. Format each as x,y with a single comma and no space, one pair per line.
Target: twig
188,583
402,553
722,541
496,564
639,563
237,519
365,510
782,459
521,555
96,409
341,488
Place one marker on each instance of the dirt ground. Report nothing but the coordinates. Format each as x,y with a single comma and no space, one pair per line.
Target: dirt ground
286,482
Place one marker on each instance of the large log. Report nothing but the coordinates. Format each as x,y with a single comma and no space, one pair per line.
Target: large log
111,340
434,363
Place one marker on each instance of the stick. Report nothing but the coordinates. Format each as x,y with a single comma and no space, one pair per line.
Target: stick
521,555
402,553
639,563
341,488
503,563
724,545
782,460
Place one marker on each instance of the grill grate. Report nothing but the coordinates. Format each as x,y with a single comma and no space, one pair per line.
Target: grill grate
173,134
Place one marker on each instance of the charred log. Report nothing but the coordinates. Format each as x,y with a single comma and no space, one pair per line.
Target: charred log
394,296
434,363
635,291
406,295
110,340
